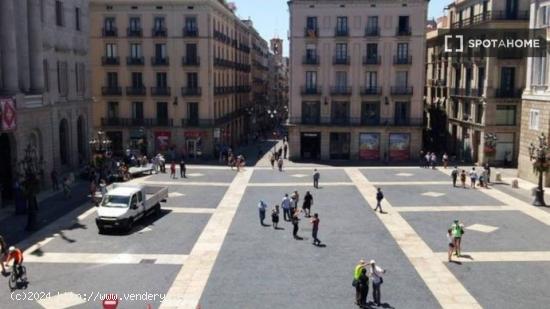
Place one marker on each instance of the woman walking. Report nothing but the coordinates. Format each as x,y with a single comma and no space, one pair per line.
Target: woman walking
308,201
295,221
275,217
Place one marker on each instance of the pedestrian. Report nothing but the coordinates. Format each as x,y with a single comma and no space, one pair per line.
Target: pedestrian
454,175
363,283
375,274
3,253
445,160
280,153
280,164
295,228
275,217
427,158
457,229
482,177
173,170
421,156
293,204
315,229
231,161
433,160
316,177
183,169
272,160
463,178
308,201
488,169
450,240
285,203
66,187
473,178
379,198
55,180
261,208
285,149
356,275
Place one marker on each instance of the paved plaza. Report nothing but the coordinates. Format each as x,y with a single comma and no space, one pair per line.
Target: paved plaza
208,248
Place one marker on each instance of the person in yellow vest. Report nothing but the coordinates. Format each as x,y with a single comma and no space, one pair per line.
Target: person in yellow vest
457,230
356,274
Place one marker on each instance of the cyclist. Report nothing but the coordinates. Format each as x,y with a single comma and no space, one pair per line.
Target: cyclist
17,256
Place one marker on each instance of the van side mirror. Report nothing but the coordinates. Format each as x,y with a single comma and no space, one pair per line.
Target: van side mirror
134,206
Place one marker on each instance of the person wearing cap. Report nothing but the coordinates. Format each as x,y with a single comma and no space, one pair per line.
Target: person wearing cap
375,273
261,208
356,275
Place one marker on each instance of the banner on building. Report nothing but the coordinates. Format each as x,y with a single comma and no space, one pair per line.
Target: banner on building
369,146
400,145
8,115
162,140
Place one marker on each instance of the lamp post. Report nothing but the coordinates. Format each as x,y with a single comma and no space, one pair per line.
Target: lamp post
32,168
100,146
538,153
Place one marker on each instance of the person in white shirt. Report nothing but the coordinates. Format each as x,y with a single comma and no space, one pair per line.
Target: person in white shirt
375,273
285,204
473,177
450,240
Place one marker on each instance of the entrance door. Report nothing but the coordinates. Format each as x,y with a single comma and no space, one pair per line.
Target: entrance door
310,145
192,148
6,177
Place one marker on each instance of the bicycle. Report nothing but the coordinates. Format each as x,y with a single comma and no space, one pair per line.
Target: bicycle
18,277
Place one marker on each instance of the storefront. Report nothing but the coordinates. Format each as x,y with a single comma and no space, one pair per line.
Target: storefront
310,145
339,145
369,146
194,143
399,146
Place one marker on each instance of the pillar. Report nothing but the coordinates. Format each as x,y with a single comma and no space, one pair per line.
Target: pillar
35,47
9,47
22,40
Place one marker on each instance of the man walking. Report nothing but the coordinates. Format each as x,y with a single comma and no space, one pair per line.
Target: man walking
315,228
379,198
454,175
285,203
473,178
55,180
375,273
183,169
261,208
280,164
295,222
316,177
457,230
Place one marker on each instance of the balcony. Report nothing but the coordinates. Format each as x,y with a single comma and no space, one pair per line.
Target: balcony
159,61
370,90
136,91
109,32
190,61
243,89
403,31
106,60
111,90
221,90
401,90
372,60
489,16
506,93
190,32
310,90
191,91
340,91
311,32
160,91
311,60
372,31
399,60
341,32
340,60
357,122
135,60
136,122
134,32
160,32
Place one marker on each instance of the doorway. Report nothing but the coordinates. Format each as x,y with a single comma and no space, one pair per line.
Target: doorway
6,163
339,146
310,145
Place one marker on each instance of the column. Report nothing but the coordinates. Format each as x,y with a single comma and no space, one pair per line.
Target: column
35,46
22,40
9,49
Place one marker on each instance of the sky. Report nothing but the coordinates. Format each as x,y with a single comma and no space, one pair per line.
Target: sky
270,17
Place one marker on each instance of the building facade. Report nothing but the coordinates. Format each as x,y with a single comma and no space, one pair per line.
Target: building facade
479,91
356,79
277,105
44,74
171,76
535,111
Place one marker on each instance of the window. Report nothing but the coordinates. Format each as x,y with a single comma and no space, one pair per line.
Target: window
112,110
137,80
311,23
59,14
135,24
137,110
191,52
311,80
311,52
160,51
341,80
480,80
403,25
341,51
80,72
193,113
402,50
62,78
109,25
341,25
401,79
46,75
112,80
162,81
162,113
110,50
372,51
159,23
538,69
311,112
372,25
135,50
479,113
191,24
534,119
192,80
77,18
371,80
340,112
401,116
370,113
506,115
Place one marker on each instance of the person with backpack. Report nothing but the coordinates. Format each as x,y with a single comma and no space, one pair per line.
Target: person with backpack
379,198
457,230
454,175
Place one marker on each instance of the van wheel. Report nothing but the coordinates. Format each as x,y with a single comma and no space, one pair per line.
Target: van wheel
130,225
100,230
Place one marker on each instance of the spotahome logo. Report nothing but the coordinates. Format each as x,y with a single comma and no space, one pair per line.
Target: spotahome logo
513,43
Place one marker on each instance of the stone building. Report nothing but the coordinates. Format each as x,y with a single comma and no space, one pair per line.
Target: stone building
356,79
277,110
171,75
44,72
535,111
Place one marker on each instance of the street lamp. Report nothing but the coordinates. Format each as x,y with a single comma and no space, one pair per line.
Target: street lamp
540,166
32,167
100,145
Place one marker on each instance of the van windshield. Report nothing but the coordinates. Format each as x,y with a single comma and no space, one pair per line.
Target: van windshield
115,201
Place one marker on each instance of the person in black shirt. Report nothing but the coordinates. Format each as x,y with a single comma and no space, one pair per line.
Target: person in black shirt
275,217
363,283
306,206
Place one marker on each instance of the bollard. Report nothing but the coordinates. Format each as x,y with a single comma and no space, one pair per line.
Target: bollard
498,177
515,184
